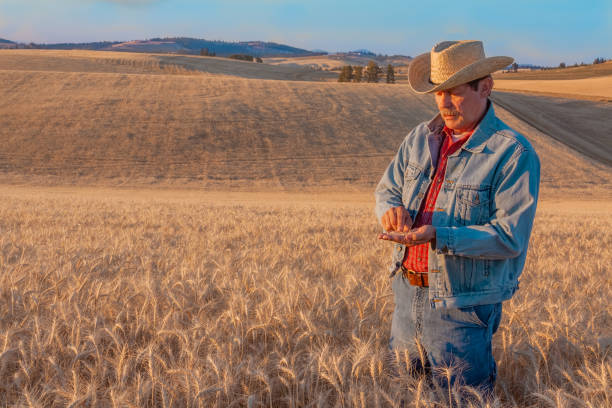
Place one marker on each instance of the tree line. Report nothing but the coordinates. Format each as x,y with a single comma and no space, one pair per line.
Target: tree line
371,73
598,60
205,52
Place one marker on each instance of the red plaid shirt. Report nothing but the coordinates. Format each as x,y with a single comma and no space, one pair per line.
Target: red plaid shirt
417,256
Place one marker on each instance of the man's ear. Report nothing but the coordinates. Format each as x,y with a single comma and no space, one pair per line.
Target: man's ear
486,86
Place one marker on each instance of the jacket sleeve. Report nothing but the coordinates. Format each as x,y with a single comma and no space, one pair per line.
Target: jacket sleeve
506,235
388,193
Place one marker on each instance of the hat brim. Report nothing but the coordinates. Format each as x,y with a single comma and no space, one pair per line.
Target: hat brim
420,69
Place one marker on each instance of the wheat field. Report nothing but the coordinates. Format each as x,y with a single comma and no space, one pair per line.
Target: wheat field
181,239
183,298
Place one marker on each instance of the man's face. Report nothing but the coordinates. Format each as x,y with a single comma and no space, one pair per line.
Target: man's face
461,107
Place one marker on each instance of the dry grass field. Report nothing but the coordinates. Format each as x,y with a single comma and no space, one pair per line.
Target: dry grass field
208,130
87,61
209,241
569,73
140,63
585,125
213,131
334,62
316,62
598,87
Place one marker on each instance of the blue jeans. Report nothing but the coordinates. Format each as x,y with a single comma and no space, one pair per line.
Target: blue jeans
455,337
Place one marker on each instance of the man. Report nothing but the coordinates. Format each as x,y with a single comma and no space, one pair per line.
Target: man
459,200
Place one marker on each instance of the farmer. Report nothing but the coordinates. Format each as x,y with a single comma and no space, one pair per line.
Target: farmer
459,200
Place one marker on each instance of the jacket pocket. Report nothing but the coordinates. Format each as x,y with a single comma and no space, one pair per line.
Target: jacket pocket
411,181
476,272
397,257
472,204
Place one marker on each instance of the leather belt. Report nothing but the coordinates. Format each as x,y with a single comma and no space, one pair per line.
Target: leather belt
416,278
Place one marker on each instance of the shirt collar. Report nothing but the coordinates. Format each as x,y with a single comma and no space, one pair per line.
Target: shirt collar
450,132
479,136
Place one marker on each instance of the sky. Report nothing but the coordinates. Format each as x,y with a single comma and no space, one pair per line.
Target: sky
541,32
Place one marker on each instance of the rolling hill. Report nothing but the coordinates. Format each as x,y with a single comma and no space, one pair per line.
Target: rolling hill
336,61
184,45
138,123
157,64
6,44
569,73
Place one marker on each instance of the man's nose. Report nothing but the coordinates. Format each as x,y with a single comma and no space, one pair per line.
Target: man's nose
444,100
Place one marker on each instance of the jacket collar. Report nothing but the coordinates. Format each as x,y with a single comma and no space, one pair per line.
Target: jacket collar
483,131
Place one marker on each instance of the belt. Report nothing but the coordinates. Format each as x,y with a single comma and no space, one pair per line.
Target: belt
416,278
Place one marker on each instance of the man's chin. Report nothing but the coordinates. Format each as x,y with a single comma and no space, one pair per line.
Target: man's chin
451,123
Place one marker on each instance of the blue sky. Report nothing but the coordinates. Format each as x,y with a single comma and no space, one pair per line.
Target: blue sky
536,31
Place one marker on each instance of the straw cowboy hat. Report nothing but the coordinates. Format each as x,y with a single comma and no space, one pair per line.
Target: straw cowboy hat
452,63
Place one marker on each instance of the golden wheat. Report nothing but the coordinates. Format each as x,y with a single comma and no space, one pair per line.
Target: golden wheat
129,298
119,297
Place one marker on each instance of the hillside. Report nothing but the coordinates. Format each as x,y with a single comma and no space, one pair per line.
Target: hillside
580,72
6,44
141,63
336,61
183,45
220,131
213,131
595,88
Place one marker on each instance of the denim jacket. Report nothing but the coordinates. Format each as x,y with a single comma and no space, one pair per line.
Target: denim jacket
484,211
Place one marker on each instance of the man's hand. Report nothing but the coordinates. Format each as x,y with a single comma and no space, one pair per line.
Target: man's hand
421,235
396,219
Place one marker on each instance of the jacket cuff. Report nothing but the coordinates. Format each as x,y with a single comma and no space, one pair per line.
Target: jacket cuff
445,240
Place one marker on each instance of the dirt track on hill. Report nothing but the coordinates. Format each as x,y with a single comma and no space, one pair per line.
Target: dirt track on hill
583,125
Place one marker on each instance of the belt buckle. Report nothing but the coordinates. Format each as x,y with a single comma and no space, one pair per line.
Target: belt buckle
415,278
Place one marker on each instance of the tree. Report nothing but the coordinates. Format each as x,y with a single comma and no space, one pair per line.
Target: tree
346,74
373,72
390,74
342,75
562,65
259,60
243,57
357,73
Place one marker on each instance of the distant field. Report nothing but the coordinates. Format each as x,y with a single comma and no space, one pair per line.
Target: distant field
587,71
86,61
318,62
216,131
600,86
329,62
584,125
125,62
212,131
